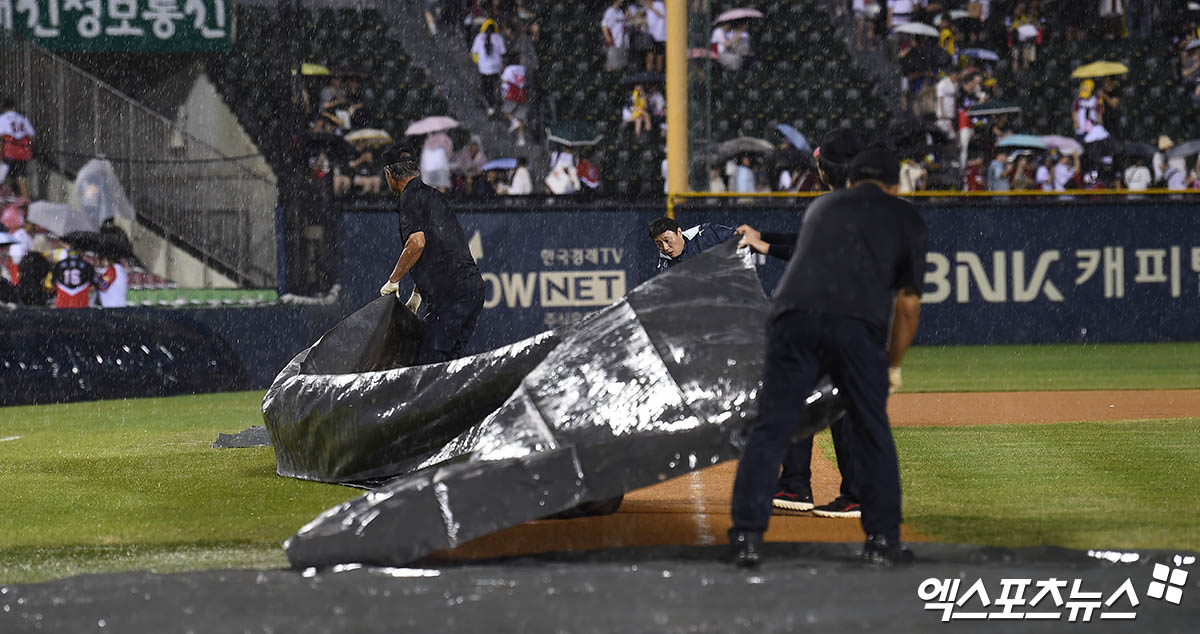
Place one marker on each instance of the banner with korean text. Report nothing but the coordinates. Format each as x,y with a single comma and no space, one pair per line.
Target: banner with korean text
152,26
994,275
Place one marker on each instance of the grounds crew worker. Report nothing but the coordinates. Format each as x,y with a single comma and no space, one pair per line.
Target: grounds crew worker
837,149
858,249
435,252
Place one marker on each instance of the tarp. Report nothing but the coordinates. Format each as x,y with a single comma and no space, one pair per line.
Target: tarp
99,195
656,385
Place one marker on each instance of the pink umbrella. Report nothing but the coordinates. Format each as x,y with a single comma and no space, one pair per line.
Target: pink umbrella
431,124
738,14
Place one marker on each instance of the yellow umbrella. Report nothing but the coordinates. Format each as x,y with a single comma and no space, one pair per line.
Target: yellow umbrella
1099,69
374,137
308,68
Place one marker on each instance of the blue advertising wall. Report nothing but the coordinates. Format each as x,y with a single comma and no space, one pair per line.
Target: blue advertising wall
995,275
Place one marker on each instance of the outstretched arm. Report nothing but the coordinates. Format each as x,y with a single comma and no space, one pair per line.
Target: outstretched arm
413,248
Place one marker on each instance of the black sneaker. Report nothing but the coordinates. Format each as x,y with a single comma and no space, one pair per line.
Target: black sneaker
841,507
790,501
880,551
745,548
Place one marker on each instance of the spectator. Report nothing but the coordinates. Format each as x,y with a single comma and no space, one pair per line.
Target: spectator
912,176
999,172
947,98
527,56
1112,18
113,283
744,178
488,50
900,12
1024,34
636,111
433,13
563,179
73,278
656,26
1022,177
364,170
16,133
1159,161
1109,101
616,41
23,242
1138,176
515,108
946,37
333,96
1065,171
1044,178
1176,175
435,161
864,22
1189,71
1086,110
716,182
470,159
589,174
976,179
522,184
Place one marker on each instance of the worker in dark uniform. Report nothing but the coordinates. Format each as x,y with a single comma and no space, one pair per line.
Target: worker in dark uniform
833,156
676,245
859,250
444,274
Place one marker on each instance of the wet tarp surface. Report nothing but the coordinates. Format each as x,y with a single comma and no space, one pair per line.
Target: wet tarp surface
656,385
801,587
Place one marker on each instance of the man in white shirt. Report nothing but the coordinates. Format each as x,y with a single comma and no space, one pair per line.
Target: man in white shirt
616,40
1042,177
947,98
1138,176
656,24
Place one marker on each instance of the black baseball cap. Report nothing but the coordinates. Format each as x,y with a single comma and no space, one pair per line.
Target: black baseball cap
840,145
393,153
875,164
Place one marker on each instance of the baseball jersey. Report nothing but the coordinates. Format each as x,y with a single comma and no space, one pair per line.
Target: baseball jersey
114,286
513,81
73,280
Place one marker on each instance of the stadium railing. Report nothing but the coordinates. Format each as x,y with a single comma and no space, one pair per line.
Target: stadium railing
217,205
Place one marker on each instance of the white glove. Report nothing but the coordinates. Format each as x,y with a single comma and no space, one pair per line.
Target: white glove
389,288
414,301
894,379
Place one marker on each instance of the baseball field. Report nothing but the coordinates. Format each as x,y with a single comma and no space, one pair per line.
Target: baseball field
1081,446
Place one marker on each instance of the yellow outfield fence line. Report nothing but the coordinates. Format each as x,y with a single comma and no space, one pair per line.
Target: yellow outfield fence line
677,197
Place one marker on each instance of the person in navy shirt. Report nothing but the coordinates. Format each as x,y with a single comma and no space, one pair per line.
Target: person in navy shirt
445,276
859,259
676,245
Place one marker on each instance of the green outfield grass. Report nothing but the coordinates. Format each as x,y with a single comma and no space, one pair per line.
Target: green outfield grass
1141,366
133,484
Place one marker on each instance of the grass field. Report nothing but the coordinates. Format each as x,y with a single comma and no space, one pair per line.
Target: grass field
120,485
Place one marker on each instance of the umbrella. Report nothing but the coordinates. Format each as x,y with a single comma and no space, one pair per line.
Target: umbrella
1191,45
1097,133
1022,140
1134,149
573,133
102,244
308,68
373,136
993,107
743,13
499,164
1187,148
701,53
60,219
916,28
1065,145
644,78
794,136
431,124
1099,69
744,145
981,53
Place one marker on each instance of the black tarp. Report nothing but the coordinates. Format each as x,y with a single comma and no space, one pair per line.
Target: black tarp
654,386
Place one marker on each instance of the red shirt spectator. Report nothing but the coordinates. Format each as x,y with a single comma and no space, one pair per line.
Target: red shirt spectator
588,174
73,279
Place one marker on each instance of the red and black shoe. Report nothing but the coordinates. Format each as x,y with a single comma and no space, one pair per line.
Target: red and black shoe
841,507
789,501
